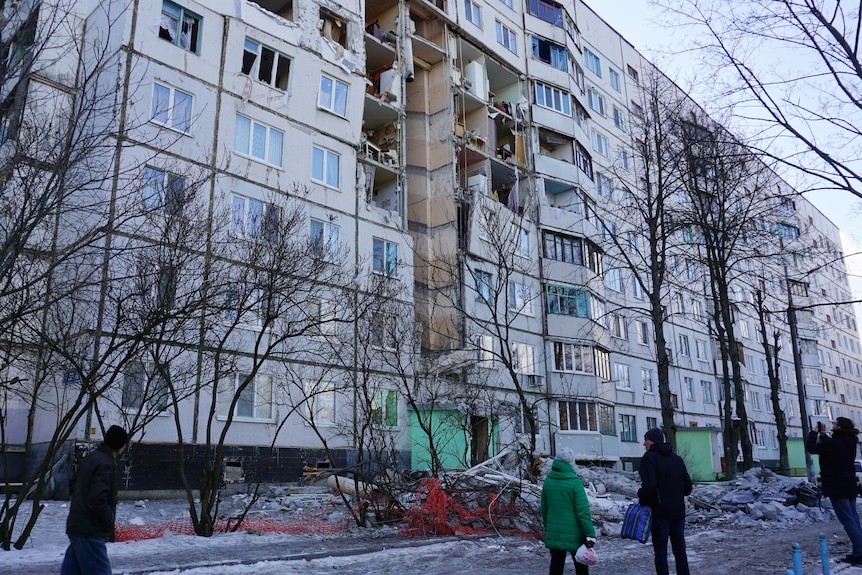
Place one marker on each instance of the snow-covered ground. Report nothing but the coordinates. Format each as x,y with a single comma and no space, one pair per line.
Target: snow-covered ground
751,539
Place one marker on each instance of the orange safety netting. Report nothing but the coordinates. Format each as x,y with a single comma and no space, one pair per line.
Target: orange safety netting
440,512
312,522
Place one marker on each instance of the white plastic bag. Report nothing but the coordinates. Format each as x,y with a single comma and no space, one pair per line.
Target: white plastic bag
586,555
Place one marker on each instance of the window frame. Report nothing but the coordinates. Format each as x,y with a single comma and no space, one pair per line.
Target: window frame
182,125
253,69
167,191
384,265
542,92
585,416
615,79
519,298
180,19
506,37
558,55
269,148
150,380
339,92
326,157
628,428
592,62
568,357
267,228
473,13
320,403
325,239
384,408
236,379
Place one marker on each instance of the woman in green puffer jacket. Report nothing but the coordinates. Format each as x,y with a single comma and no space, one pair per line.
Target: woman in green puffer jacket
566,513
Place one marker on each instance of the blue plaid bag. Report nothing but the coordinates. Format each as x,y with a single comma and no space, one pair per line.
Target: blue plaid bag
637,523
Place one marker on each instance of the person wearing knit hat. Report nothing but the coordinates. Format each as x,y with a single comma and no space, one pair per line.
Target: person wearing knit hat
92,511
664,484
838,476
566,514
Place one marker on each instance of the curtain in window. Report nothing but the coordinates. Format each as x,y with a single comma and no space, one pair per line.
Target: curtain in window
276,147
189,26
161,103
258,141
340,98
263,397
169,24
182,112
224,395
391,259
240,138
332,169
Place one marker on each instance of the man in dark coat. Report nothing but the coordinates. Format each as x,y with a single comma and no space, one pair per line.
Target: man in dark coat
664,484
566,513
94,500
837,454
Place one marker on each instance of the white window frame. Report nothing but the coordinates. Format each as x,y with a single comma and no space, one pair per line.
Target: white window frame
580,416
177,113
162,191
619,119
151,391
596,101
334,97
320,403
573,358
600,143
324,239
688,383
642,330
523,358
706,389
262,407
560,100
322,170
700,349
592,62
473,13
622,377
614,79
257,51
628,428
384,257
520,298
506,37
485,351
684,348
484,282
648,382
259,219
273,152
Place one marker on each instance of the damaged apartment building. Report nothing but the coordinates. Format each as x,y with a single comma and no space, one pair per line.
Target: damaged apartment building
478,155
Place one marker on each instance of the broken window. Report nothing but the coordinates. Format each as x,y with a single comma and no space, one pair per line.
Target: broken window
283,8
180,27
265,64
333,28
162,191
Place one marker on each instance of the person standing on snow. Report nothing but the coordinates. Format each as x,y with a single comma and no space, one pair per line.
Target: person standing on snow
838,475
94,501
566,513
664,484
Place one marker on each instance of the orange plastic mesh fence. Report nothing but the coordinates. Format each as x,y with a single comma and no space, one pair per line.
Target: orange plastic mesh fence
312,522
440,512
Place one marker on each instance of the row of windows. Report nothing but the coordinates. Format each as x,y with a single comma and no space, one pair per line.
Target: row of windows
145,387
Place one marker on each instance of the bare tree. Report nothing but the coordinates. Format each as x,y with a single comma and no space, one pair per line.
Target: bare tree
641,229
730,200
809,95
59,170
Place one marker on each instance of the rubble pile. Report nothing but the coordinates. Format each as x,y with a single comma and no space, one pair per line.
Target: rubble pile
497,495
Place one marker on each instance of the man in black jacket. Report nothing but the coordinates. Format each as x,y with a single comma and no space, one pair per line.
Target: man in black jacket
94,501
838,475
664,484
